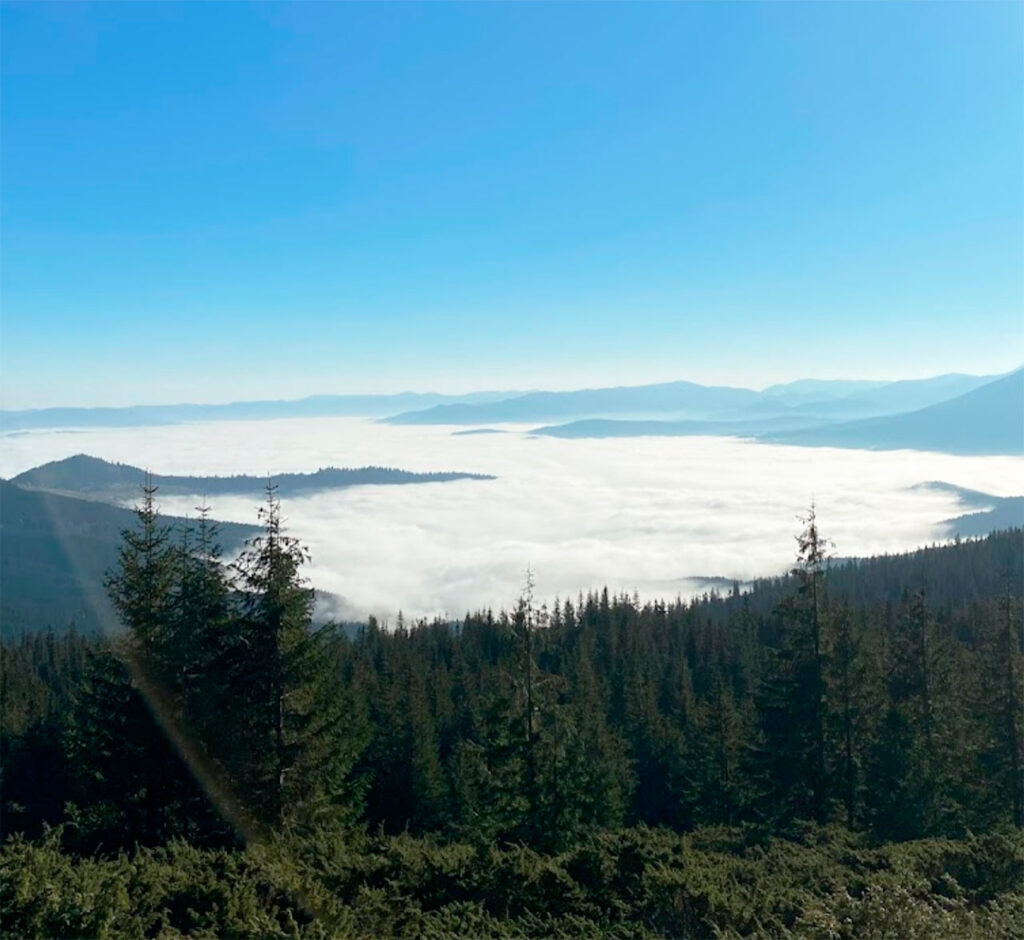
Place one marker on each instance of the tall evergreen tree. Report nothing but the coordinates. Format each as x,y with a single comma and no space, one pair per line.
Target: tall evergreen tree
792,697
133,782
844,684
293,752
1002,700
142,585
906,773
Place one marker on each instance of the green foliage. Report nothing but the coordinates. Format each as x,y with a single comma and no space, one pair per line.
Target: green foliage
497,760
290,750
636,883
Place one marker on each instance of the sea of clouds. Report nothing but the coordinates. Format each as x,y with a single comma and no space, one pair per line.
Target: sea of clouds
638,514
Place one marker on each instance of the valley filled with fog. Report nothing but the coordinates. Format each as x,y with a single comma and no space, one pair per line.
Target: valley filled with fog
644,514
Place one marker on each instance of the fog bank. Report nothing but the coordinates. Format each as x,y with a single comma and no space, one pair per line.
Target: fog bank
639,514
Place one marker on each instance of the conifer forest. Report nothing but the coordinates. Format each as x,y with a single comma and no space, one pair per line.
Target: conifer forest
836,752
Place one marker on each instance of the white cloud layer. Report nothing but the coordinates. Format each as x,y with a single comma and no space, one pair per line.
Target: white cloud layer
633,514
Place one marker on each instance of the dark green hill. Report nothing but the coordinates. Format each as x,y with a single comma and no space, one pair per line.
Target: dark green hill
91,477
54,552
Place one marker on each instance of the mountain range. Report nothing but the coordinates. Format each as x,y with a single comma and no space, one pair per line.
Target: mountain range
807,400
316,406
954,413
987,419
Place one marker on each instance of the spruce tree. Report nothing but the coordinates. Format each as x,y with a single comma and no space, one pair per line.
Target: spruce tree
1001,700
1012,700
142,585
792,750
125,742
905,776
292,754
844,684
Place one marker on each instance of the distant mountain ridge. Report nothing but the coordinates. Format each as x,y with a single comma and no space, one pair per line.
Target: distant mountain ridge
315,406
987,420
83,475
815,399
857,399
680,398
811,399
937,413
611,427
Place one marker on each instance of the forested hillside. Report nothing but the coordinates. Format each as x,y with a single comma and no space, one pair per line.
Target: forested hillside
737,764
54,553
99,479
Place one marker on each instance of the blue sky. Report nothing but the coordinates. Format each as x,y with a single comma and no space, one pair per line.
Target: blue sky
213,201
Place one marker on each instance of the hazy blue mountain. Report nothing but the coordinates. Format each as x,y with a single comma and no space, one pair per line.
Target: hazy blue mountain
842,400
987,420
54,552
815,400
316,406
99,479
803,391
914,394
604,427
682,400
969,499
992,512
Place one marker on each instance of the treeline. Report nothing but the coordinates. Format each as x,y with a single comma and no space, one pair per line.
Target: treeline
884,695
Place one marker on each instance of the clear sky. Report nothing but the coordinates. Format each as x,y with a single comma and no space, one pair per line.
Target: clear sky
206,201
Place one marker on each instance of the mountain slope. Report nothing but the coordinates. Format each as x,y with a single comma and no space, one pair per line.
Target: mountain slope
987,420
991,513
54,553
914,394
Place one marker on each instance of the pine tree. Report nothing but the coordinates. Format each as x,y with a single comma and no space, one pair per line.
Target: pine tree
292,753
525,621
1012,634
845,691
132,780
1002,702
905,776
718,739
429,790
793,762
605,790
142,585
129,783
